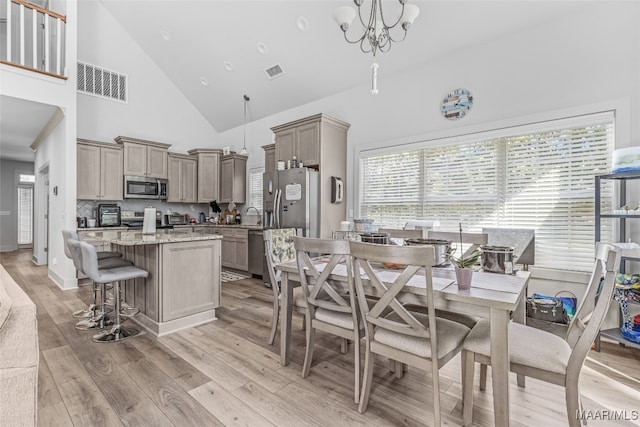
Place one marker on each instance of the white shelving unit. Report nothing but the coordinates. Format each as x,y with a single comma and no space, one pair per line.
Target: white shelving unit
628,254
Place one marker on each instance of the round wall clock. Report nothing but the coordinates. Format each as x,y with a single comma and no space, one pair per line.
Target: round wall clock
456,104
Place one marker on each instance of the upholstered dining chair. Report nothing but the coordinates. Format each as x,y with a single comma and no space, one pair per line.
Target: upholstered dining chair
279,248
542,355
416,339
329,308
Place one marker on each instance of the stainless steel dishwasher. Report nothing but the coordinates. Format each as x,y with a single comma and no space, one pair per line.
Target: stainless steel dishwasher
256,252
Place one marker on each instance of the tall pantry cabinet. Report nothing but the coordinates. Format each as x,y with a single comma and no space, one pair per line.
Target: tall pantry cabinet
318,142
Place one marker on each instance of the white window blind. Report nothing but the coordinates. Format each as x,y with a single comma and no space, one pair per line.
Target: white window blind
25,215
255,188
539,177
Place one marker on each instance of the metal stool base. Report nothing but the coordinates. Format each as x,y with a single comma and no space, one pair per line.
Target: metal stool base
93,323
115,334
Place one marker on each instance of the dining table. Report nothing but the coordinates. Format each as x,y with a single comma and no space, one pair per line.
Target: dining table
498,297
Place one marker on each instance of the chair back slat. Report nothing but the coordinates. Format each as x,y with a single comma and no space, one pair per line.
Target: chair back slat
588,318
319,289
417,260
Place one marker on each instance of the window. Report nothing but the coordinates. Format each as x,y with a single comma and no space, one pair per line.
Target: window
255,188
25,209
539,177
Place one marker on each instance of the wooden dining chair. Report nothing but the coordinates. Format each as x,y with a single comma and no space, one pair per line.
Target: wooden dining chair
539,354
279,248
330,307
416,339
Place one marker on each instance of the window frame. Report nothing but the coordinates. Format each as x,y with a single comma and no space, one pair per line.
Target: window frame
506,132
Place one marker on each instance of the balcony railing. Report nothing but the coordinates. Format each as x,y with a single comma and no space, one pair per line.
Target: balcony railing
32,38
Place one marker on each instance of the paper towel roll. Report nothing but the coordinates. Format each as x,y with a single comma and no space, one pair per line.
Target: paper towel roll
149,221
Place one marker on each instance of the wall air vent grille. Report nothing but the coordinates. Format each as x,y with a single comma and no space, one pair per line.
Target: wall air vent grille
98,81
273,72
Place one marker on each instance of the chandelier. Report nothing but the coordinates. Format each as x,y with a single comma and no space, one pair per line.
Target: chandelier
376,34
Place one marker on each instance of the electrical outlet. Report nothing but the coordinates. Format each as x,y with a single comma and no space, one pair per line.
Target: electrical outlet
54,261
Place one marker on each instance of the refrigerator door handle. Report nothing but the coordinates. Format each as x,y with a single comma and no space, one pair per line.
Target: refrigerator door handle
277,208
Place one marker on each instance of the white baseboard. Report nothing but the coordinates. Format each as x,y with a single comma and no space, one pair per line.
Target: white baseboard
61,282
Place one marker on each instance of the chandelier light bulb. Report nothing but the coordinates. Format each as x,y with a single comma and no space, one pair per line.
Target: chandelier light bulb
344,16
374,78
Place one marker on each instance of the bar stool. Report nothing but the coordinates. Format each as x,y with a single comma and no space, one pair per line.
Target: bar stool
113,275
107,260
94,319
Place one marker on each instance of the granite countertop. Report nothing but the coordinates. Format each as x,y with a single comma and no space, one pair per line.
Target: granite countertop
133,238
250,227
179,226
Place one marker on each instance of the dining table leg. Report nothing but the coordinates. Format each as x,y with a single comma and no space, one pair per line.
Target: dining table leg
286,308
520,316
500,365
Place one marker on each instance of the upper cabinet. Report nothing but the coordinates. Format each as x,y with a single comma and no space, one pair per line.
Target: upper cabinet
144,158
269,157
99,171
208,174
233,178
309,139
183,179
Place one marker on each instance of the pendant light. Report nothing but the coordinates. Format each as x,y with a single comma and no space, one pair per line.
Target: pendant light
244,144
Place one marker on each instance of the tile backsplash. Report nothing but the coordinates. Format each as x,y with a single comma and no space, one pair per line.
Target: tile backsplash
87,208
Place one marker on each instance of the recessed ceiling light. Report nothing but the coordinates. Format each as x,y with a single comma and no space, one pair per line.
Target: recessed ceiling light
302,23
204,81
165,35
262,48
228,66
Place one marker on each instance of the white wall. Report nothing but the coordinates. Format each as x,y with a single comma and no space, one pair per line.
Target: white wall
59,149
156,109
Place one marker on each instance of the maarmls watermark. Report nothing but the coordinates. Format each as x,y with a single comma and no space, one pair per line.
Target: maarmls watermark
608,415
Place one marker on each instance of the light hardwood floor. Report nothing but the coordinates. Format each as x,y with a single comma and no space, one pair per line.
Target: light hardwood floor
224,373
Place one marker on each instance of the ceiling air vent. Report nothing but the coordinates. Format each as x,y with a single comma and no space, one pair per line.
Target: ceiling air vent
98,81
273,72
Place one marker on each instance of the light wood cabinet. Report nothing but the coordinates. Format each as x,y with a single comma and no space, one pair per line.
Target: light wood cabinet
269,157
233,178
235,248
99,171
309,138
319,142
144,158
183,178
183,283
201,261
208,174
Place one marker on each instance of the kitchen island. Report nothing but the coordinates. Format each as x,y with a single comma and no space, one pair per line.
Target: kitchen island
183,287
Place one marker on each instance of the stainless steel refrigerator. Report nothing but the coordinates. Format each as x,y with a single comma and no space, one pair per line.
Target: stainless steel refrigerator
292,200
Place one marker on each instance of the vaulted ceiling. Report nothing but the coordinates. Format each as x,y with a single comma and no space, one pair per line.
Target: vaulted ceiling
195,42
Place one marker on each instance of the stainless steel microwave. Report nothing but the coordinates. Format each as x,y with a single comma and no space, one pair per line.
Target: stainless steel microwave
140,187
